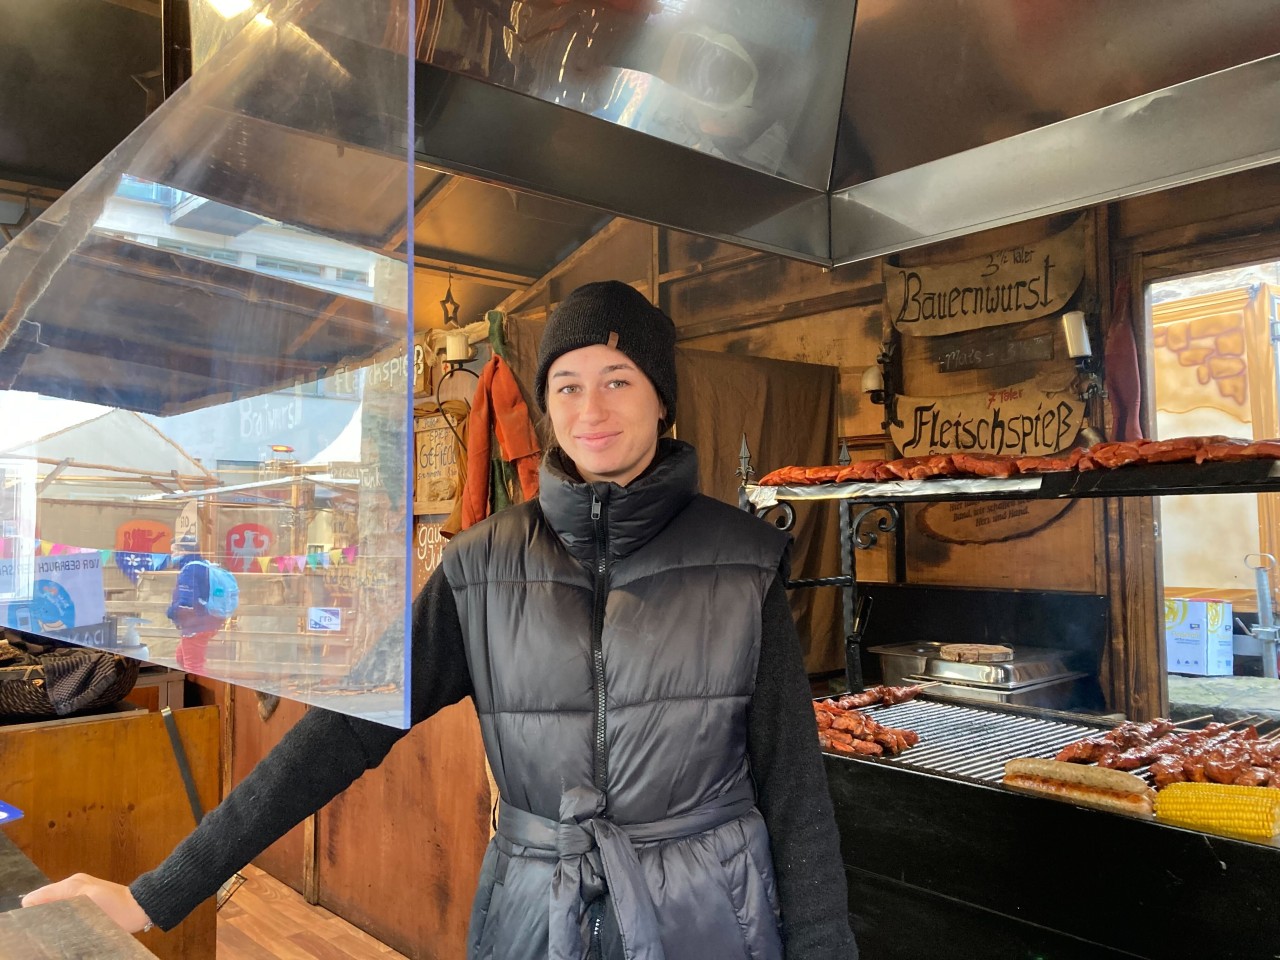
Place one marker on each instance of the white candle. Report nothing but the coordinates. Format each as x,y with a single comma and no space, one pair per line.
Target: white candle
456,348
1077,333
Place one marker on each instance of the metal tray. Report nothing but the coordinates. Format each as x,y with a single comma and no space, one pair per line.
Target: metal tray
901,661
1026,667
1059,693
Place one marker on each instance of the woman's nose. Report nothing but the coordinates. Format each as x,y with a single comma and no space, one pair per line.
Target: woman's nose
593,406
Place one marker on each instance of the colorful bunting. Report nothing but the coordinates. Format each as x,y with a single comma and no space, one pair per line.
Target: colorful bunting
132,563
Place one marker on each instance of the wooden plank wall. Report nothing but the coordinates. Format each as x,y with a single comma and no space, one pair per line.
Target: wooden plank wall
422,818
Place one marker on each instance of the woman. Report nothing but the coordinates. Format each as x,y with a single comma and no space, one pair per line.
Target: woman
640,689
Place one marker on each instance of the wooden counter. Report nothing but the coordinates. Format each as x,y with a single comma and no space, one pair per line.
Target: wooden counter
67,930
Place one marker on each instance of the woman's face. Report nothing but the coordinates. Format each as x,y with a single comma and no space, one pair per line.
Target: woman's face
605,413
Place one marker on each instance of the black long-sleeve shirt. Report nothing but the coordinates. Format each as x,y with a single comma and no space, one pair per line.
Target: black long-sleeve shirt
326,751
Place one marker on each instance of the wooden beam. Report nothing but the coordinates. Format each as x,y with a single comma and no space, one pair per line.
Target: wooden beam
70,462
655,264
53,475
599,238
318,323
471,271
310,860
422,208
703,268
841,300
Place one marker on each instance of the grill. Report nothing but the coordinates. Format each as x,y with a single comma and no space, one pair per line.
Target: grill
974,744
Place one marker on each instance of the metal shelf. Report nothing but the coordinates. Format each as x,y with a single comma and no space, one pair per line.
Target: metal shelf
1151,480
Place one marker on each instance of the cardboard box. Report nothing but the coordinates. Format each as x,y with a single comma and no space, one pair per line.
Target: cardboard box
1197,636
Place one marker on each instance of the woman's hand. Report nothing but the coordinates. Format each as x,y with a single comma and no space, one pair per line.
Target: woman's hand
114,899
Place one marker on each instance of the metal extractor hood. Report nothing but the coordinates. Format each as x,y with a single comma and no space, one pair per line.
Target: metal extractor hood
833,133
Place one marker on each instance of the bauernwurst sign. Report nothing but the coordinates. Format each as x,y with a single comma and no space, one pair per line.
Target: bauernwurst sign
1020,421
1004,286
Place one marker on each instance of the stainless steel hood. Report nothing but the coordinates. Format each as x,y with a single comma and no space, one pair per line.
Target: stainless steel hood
820,129
806,130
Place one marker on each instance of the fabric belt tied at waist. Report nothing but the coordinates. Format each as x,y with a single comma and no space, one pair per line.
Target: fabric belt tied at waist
596,855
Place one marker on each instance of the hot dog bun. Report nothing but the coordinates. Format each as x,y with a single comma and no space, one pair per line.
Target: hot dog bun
1112,790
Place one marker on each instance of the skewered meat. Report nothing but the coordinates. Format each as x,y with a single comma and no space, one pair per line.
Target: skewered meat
842,730
838,742
1264,449
860,471
921,468
891,696
878,694
1180,742
783,477
1109,456
1223,449
1176,450
814,475
1053,464
984,465
1125,736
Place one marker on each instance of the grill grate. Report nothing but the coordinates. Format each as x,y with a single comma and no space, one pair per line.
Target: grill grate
974,743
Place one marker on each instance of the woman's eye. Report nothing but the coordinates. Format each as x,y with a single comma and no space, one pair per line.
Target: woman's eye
568,388
614,384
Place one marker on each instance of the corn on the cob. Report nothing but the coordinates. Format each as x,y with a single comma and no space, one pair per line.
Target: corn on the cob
1249,812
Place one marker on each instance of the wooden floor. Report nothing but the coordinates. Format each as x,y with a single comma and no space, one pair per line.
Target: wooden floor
265,920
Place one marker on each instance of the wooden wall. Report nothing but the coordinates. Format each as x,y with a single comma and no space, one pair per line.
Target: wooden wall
398,853
103,796
734,300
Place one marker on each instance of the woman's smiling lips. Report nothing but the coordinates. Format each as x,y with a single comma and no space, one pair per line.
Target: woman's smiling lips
595,441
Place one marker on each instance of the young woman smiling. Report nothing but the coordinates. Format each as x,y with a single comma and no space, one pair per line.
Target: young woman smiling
641,693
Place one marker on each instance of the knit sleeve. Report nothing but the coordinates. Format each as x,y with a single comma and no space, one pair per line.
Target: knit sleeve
791,790
314,762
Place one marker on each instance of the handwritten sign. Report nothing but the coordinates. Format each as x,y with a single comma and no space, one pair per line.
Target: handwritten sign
436,483
428,544
1001,353
1004,286
988,521
1021,420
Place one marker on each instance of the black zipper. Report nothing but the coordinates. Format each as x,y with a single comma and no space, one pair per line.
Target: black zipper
600,520
596,950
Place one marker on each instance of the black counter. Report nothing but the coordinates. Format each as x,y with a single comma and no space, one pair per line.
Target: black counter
939,867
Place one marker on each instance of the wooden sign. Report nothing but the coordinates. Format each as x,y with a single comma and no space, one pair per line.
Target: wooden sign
1020,421
988,521
436,483
188,523
984,356
428,547
1004,286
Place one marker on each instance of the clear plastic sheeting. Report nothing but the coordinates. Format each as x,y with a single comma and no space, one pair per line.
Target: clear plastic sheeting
206,414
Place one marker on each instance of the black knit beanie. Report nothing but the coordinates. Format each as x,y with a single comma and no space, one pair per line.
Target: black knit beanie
616,315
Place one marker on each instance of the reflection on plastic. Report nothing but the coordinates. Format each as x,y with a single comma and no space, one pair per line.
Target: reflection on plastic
756,82
204,439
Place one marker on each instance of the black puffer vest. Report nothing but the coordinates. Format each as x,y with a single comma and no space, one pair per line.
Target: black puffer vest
613,636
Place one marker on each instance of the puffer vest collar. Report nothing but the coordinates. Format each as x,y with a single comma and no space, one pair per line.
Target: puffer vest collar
637,512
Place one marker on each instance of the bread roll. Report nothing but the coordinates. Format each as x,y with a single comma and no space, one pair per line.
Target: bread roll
1112,790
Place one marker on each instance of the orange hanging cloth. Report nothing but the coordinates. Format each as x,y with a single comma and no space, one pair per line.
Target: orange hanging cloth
499,410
